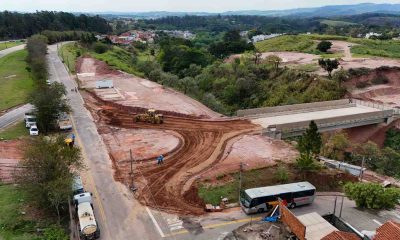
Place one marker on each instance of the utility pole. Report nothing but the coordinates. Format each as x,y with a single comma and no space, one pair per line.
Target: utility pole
362,169
334,208
132,186
341,207
240,178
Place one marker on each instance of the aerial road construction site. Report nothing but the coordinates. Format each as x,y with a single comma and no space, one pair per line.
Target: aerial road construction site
195,141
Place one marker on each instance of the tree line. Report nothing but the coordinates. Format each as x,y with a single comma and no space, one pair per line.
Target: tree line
14,25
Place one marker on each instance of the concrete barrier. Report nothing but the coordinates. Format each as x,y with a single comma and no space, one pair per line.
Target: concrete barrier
295,107
294,129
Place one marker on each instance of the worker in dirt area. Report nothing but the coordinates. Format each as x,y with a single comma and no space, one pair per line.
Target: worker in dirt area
160,159
73,139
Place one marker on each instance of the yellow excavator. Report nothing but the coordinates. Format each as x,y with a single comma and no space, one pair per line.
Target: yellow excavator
150,116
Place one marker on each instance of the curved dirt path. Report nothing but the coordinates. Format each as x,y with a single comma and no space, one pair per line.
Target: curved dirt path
169,187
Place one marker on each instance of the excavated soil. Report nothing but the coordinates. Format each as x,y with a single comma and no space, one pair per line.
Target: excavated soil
134,91
169,186
255,151
10,154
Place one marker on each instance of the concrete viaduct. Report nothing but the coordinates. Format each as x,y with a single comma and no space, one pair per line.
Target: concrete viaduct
292,120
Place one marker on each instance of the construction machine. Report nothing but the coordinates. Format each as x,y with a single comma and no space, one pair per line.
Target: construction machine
150,116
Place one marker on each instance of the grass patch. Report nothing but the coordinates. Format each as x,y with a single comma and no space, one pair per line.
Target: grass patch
323,180
5,45
118,58
289,43
16,82
69,53
15,131
312,67
368,47
13,224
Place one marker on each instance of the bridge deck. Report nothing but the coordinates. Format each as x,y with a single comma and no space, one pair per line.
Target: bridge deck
314,115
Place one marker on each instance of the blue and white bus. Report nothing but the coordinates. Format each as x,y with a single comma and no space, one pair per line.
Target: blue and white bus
257,200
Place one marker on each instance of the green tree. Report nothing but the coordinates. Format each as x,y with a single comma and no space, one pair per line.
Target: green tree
311,141
372,195
324,46
47,171
282,174
392,139
336,145
274,60
99,47
49,102
329,65
306,162
54,232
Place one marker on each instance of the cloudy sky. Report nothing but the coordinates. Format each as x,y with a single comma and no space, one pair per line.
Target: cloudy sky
168,5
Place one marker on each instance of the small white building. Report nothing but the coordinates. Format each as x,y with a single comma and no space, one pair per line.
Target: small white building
371,34
262,37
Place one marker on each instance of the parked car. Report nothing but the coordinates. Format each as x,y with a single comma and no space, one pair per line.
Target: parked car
34,131
48,82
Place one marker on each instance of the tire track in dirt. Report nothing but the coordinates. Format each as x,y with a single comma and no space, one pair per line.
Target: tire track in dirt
169,187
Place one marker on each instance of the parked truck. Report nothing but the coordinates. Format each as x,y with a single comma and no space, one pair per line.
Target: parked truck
30,120
88,227
64,122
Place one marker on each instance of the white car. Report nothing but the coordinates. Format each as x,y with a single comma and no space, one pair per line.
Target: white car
48,82
34,131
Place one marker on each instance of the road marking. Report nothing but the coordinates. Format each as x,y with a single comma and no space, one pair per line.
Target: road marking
155,222
90,177
377,222
217,225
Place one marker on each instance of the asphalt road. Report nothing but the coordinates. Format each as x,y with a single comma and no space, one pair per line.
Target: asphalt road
10,50
119,215
14,115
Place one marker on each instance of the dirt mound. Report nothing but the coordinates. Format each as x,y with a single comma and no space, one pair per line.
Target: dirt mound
87,64
11,152
169,186
374,133
366,77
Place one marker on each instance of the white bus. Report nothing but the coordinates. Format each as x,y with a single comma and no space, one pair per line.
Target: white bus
257,200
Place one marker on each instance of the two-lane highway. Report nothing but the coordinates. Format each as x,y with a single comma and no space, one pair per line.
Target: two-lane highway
120,215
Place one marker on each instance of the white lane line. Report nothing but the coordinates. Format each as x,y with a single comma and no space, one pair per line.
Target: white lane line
377,222
155,222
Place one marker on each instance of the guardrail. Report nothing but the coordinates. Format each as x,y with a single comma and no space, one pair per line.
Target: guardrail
291,108
335,120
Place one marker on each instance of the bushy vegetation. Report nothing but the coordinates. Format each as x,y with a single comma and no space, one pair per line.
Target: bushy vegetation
17,25
371,195
392,139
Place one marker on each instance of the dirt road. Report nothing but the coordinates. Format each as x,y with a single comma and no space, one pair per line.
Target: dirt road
169,186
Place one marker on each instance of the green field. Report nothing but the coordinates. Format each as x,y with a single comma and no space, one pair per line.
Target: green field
306,44
338,23
15,81
13,224
5,45
290,43
15,131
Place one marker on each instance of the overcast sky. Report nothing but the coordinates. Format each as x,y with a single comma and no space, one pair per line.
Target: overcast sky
168,5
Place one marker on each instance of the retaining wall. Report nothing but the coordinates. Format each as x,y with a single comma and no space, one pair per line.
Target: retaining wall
295,107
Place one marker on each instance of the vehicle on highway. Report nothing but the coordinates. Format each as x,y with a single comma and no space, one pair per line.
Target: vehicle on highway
88,227
30,120
33,131
257,200
64,122
48,82
77,186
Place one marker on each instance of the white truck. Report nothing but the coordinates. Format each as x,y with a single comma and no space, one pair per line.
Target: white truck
29,119
88,227
64,123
